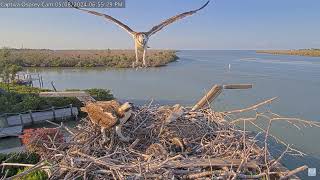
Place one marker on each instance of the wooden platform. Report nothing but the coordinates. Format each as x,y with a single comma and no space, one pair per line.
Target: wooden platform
81,95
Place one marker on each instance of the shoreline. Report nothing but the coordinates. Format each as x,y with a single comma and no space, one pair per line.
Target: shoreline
29,58
300,52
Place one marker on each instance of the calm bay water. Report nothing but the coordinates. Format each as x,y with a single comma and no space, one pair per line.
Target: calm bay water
294,79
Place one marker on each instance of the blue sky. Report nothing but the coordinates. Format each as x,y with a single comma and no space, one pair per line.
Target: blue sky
224,24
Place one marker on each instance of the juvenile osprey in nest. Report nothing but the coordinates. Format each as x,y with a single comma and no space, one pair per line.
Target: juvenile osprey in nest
109,114
141,38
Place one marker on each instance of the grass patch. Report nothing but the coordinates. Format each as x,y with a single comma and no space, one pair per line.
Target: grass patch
299,52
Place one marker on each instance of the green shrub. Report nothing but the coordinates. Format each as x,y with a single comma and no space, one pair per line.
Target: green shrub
100,94
24,98
22,89
34,175
24,158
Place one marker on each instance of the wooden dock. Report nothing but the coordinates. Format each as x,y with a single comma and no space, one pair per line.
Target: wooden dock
12,124
80,95
28,79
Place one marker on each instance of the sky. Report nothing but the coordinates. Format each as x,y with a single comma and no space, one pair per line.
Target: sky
222,25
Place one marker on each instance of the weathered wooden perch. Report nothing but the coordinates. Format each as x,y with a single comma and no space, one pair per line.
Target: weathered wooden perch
81,95
64,94
215,91
237,86
208,98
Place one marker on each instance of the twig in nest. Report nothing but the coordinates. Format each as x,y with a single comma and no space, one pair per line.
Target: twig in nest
252,107
293,172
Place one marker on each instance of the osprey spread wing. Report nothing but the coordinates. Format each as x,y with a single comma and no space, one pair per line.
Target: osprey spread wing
141,38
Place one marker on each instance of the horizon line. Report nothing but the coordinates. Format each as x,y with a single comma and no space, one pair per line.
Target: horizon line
100,49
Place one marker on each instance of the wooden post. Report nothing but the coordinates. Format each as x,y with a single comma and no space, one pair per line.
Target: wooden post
54,88
6,123
71,111
41,81
53,113
21,119
208,98
31,117
6,119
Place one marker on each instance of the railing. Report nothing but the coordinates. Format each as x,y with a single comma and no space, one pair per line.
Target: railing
36,116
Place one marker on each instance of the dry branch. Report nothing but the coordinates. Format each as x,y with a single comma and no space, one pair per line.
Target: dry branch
252,107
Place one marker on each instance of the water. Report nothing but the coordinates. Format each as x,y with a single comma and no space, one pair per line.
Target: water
294,79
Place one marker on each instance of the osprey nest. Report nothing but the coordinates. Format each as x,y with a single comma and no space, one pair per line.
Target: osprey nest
163,142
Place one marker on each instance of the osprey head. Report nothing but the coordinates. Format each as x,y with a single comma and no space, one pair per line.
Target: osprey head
124,108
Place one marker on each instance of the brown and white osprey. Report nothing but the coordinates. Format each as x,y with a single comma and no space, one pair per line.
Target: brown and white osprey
141,38
109,114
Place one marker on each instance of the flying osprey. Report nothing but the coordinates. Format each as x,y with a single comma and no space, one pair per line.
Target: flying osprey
141,38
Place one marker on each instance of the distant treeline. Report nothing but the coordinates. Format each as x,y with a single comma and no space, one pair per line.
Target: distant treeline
85,58
298,52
